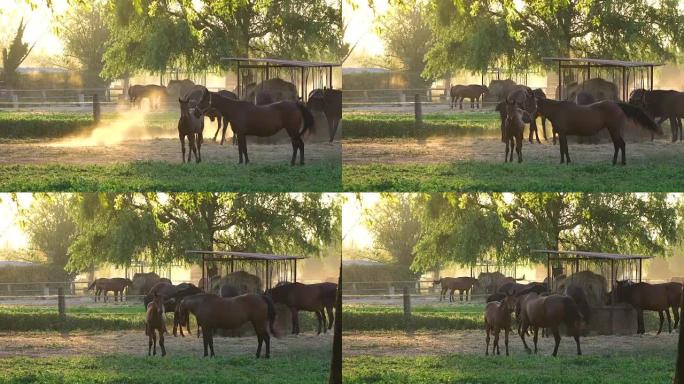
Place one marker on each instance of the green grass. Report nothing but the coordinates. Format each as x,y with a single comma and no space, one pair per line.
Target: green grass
162,176
300,367
659,175
23,125
515,369
384,125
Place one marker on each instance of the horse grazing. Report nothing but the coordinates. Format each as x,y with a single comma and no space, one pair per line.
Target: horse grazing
306,297
576,292
663,104
497,317
473,92
328,101
215,312
190,125
214,114
154,322
550,311
117,285
462,284
649,297
513,129
248,119
569,118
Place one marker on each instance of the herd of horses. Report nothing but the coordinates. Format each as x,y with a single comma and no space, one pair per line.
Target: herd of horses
533,306
583,113
270,107
229,308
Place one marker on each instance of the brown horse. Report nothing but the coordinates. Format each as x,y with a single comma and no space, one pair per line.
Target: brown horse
190,125
662,104
462,284
306,297
550,311
473,92
222,123
569,118
117,285
248,119
172,294
230,313
513,130
154,93
329,101
649,297
497,317
190,304
154,322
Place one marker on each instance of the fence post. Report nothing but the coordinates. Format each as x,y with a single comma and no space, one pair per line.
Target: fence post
61,304
418,111
407,311
96,108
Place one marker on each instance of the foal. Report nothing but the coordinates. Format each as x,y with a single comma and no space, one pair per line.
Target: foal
513,130
190,124
497,317
154,321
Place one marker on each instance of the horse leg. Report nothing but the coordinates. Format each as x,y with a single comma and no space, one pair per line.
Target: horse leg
267,340
295,147
225,128
518,147
556,340
506,155
301,150
565,147
460,295
487,341
218,129
673,128
640,321
200,139
318,317
149,342
662,319
451,295
675,313
460,102
536,337
577,341
669,320
154,340
513,139
182,140
506,330
243,139
161,343
260,340
496,341
543,120
205,342
325,324
331,316
521,332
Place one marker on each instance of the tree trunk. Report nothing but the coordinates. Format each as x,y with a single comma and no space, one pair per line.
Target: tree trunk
679,367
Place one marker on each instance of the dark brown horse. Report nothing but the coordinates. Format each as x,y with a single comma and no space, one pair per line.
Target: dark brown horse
540,94
513,129
526,99
154,323
306,297
230,313
328,101
550,311
569,118
473,92
248,119
451,284
662,104
190,125
222,123
497,317
649,297
117,285
172,294
190,304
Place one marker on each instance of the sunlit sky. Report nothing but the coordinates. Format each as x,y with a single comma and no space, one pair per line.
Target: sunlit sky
11,235
38,21
359,18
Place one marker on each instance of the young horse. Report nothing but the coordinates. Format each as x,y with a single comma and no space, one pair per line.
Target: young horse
497,317
248,119
549,312
462,284
305,297
154,322
525,98
513,130
190,125
649,297
569,118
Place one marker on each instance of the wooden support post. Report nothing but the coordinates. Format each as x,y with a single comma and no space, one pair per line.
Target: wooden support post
407,311
96,108
61,304
418,111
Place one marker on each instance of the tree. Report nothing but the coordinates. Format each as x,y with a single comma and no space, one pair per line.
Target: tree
14,55
51,228
195,35
407,35
395,227
475,35
84,31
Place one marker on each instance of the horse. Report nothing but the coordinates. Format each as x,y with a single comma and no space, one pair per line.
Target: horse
663,104
215,114
454,92
549,312
143,282
172,294
517,289
179,88
190,125
215,312
305,297
104,285
513,129
97,286
649,297
569,118
473,92
154,93
526,100
497,317
190,304
248,119
540,94
154,322
328,101
576,292
462,284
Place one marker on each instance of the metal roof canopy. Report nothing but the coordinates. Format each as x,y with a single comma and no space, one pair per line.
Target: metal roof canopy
574,257
283,264
588,63
266,65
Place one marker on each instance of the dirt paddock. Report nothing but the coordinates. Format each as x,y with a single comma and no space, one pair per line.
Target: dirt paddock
49,344
473,342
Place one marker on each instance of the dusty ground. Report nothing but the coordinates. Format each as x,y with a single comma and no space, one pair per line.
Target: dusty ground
135,343
473,342
491,149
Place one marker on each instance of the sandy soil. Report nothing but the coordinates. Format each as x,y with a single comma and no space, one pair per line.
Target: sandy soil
491,149
155,149
135,343
473,342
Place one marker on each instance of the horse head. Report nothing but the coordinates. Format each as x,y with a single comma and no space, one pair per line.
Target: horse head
437,282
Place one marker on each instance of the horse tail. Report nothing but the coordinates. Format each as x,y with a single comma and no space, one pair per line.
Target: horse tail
271,313
638,115
308,119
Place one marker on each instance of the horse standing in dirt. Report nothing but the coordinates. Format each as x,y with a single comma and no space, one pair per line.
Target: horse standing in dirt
154,93
526,99
513,130
154,323
451,284
329,101
569,118
662,104
190,125
222,122
190,304
497,317
473,92
117,285
306,297
550,311
248,119
649,297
